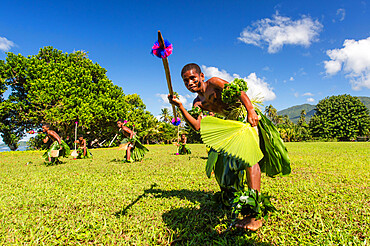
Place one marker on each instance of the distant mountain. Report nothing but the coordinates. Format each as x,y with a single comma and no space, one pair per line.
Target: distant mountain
295,112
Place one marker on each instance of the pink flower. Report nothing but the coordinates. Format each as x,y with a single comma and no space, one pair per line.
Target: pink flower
177,153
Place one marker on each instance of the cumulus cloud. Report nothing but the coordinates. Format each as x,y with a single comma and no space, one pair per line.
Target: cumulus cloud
183,98
291,79
310,100
280,31
354,60
5,44
258,88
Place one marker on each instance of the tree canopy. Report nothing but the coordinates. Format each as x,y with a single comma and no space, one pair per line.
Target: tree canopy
343,117
61,89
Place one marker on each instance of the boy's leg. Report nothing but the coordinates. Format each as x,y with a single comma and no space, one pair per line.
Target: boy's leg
128,152
254,182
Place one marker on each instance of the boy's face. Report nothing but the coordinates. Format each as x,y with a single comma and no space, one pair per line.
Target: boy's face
80,138
193,80
119,124
45,128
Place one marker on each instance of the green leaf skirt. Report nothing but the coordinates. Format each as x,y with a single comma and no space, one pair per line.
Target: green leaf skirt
235,146
64,152
138,150
80,153
183,149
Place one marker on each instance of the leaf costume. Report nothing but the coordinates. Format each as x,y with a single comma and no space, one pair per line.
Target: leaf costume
183,149
138,150
236,145
80,153
64,152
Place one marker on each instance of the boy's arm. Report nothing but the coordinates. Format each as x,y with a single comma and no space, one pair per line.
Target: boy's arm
252,115
45,140
56,136
194,123
128,130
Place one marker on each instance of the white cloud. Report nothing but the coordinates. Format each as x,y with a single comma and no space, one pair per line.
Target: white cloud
280,31
296,94
308,94
310,100
354,59
258,88
183,98
5,44
341,13
291,79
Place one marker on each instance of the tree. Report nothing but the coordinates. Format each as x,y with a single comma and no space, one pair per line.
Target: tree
342,117
61,89
165,115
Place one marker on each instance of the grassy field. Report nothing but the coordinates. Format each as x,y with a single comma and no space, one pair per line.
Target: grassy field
167,199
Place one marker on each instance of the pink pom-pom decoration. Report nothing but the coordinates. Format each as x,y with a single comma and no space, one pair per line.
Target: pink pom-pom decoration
162,52
177,153
176,122
125,122
76,122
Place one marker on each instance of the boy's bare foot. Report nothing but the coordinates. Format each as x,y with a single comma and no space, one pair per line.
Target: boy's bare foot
249,223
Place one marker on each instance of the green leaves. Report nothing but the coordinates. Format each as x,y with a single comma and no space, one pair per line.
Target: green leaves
234,138
62,88
231,92
342,117
252,203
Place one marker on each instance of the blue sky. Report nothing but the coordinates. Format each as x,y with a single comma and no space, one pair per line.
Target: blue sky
290,52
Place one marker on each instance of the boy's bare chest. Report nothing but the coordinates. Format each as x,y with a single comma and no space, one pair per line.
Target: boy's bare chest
212,101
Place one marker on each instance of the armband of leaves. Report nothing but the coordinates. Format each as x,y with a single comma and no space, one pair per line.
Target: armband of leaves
252,203
195,112
231,92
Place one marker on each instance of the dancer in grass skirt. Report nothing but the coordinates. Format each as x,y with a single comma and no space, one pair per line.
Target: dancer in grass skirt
135,151
183,148
57,149
82,151
239,150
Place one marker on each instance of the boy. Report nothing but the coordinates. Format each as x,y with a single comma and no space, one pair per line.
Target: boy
58,144
183,149
134,147
210,99
83,151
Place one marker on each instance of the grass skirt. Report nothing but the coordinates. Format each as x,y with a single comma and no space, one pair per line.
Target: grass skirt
138,150
235,146
80,153
184,149
64,152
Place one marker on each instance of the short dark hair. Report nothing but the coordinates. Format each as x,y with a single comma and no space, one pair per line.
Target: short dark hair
191,66
119,120
80,136
46,125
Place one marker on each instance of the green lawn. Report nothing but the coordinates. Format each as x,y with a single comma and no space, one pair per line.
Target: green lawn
168,199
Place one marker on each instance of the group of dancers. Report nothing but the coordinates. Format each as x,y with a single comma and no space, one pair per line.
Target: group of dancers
235,171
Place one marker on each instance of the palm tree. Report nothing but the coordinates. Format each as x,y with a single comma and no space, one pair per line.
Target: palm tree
165,115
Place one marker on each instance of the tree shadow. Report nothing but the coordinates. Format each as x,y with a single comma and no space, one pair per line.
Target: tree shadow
206,223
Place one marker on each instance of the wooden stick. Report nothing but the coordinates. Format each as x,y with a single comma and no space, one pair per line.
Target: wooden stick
167,71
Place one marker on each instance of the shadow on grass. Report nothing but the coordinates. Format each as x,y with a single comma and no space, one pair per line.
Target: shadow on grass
205,224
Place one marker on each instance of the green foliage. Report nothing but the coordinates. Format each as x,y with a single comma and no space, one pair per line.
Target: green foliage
61,88
36,142
232,91
252,203
343,117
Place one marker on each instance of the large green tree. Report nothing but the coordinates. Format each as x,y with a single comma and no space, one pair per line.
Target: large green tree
342,117
61,89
